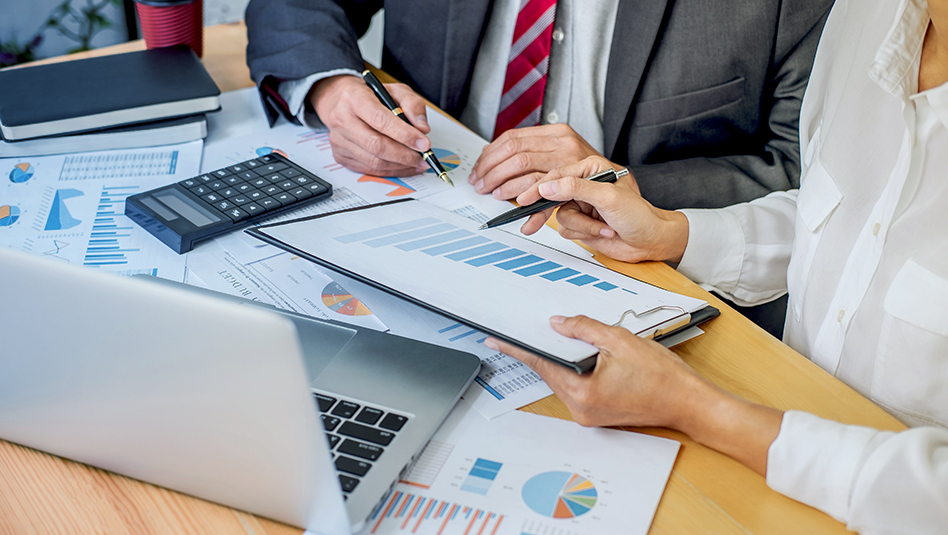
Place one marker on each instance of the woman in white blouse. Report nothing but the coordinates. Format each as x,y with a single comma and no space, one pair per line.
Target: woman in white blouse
862,249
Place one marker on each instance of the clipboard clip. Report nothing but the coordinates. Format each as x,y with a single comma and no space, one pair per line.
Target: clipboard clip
662,328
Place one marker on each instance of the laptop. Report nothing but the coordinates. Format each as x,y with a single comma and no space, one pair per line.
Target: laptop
215,396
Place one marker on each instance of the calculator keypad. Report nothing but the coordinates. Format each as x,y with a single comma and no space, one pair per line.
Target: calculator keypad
253,187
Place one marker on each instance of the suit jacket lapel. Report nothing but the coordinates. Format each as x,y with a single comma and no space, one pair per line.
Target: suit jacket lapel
638,26
465,28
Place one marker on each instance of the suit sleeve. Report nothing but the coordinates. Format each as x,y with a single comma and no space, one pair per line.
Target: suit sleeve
875,481
293,39
773,165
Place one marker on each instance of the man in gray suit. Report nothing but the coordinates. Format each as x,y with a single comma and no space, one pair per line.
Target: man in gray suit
699,98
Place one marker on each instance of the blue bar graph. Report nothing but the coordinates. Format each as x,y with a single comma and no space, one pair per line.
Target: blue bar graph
456,246
434,237
582,280
477,251
383,231
539,268
106,247
496,257
561,274
520,262
434,240
481,476
410,235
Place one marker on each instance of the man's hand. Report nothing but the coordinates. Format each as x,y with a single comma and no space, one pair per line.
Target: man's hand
612,218
520,157
638,382
367,137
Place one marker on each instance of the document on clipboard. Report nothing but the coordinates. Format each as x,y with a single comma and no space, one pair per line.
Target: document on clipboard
494,281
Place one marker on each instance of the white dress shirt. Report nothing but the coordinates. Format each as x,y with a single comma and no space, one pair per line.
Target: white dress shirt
576,82
862,248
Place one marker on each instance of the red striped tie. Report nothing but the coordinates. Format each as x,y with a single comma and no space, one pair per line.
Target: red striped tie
527,66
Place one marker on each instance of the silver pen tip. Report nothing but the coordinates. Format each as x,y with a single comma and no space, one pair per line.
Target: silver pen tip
482,227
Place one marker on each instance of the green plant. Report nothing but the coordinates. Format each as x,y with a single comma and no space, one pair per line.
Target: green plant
12,52
80,24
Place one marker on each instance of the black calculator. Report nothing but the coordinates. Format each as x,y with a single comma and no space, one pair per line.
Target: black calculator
208,205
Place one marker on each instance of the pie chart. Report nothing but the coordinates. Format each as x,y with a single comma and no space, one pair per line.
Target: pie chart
448,159
21,172
342,302
559,494
8,215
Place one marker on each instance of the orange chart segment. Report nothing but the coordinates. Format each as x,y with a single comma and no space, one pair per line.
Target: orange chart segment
560,494
342,302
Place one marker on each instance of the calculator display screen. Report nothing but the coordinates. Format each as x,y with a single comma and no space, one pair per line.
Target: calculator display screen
185,207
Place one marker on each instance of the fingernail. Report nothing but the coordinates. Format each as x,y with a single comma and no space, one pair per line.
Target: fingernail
421,145
421,120
496,194
479,186
557,319
548,188
473,178
607,233
491,343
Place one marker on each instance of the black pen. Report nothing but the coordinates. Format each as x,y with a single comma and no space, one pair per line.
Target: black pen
386,98
609,175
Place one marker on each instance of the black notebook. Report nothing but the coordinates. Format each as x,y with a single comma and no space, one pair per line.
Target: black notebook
150,134
95,93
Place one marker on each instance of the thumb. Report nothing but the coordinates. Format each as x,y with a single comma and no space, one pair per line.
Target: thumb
600,195
585,329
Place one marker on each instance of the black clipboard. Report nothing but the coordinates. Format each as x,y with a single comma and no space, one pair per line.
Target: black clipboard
700,316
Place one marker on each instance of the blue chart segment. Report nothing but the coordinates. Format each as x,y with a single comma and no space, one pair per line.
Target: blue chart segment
433,237
409,513
481,476
111,231
21,172
8,215
560,494
59,217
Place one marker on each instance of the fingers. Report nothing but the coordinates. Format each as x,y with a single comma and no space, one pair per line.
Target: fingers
522,151
365,136
412,104
516,165
556,376
583,168
516,186
535,222
586,329
577,225
363,150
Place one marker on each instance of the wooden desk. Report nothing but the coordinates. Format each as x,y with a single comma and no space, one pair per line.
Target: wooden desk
707,492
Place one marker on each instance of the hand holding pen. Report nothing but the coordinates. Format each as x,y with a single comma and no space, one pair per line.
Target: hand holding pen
389,102
611,218
365,136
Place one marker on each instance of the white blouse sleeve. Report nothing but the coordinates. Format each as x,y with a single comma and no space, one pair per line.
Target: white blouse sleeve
875,481
742,251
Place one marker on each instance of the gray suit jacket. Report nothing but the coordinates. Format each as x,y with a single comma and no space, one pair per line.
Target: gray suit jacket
702,97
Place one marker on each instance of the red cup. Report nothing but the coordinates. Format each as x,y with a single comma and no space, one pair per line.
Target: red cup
172,22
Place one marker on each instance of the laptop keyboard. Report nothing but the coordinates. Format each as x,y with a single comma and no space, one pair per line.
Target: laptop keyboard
358,435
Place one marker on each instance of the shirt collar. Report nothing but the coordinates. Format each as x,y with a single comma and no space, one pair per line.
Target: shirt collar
894,65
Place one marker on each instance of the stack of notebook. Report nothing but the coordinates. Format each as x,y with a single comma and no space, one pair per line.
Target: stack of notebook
137,99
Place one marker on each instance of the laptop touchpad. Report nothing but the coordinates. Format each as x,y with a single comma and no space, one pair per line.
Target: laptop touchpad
320,342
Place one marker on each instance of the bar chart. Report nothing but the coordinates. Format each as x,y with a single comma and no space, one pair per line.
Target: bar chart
406,512
436,238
